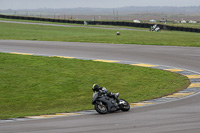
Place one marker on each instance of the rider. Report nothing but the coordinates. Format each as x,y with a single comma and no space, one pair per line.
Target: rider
96,88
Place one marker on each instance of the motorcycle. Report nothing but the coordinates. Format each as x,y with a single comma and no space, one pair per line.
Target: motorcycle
155,28
108,102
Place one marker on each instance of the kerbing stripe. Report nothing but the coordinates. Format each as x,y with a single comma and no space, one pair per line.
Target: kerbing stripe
21,53
63,57
174,70
193,76
140,104
179,95
194,85
144,65
52,116
108,61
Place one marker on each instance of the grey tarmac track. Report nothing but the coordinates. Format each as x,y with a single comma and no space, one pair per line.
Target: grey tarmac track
180,116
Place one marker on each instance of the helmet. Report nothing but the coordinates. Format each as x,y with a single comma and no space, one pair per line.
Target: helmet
95,87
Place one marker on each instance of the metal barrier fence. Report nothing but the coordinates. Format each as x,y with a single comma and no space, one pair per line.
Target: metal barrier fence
131,24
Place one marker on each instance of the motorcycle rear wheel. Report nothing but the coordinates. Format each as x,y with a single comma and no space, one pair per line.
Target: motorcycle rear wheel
101,109
125,106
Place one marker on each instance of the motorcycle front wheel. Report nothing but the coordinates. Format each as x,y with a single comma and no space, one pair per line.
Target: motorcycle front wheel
101,109
125,106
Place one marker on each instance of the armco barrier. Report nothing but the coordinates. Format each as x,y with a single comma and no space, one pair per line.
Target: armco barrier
131,24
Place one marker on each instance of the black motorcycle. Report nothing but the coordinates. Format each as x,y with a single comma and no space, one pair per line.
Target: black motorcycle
108,102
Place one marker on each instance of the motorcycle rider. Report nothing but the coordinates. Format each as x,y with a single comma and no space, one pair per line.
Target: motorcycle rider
96,88
155,28
105,101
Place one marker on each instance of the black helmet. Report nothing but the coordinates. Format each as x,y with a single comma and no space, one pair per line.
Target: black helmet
95,87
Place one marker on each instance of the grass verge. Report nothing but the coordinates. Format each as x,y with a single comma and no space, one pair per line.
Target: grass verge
85,34
35,85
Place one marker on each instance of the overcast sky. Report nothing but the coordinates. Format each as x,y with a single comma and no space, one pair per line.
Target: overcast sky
33,4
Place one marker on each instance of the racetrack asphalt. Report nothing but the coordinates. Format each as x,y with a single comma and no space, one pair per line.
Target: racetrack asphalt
180,116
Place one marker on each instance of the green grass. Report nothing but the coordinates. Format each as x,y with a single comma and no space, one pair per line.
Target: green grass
35,85
85,34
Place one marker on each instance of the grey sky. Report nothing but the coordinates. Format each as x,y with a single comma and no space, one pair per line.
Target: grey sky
32,4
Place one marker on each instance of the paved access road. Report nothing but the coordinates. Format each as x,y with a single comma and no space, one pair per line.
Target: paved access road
180,116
